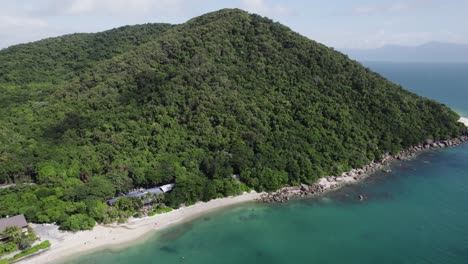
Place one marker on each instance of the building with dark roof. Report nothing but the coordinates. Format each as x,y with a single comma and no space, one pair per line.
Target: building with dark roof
17,220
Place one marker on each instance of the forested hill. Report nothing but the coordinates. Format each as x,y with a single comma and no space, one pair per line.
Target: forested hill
89,115
57,59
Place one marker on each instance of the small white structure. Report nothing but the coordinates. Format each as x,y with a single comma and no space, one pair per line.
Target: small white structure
167,188
141,193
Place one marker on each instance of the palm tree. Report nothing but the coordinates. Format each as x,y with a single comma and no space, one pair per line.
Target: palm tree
14,233
158,198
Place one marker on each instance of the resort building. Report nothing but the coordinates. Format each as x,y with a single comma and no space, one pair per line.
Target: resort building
17,221
142,193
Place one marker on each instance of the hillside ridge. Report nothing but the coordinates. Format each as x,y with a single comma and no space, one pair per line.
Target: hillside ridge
224,103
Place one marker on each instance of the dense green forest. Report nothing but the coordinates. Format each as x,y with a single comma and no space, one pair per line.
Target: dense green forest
87,116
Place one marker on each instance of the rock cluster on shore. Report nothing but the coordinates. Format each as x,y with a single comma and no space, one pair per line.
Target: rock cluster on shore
334,182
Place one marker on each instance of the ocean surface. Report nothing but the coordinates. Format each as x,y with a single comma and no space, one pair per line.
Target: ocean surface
417,213
444,82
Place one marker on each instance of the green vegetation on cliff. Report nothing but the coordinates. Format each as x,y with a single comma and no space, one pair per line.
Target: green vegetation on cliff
89,115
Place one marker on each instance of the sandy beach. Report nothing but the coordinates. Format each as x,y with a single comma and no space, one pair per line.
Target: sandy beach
67,244
463,120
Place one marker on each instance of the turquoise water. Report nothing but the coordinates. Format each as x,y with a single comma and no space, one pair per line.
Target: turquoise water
418,213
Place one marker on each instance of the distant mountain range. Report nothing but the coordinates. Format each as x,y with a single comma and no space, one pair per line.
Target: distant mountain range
429,52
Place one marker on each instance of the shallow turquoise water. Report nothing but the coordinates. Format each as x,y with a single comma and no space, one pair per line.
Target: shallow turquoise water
418,213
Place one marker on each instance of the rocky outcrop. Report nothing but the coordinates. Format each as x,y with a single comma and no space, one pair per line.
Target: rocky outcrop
334,182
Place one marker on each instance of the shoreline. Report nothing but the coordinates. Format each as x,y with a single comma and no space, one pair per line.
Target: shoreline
463,120
67,245
330,183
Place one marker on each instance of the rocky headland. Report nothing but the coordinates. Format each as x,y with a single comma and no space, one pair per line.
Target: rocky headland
334,182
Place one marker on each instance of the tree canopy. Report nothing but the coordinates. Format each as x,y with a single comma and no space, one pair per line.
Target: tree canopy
87,116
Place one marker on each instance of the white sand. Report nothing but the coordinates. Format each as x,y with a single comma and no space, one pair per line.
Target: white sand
463,120
66,244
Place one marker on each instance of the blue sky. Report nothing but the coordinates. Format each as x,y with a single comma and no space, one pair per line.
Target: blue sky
336,23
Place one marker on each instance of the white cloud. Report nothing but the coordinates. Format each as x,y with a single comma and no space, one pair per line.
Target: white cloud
112,7
365,9
79,7
264,8
400,7
372,24
397,7
15,29
33,20
13,22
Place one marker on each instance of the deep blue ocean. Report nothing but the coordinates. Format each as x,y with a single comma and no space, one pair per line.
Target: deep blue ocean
444,82
418,213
